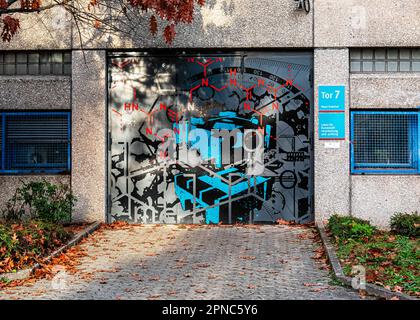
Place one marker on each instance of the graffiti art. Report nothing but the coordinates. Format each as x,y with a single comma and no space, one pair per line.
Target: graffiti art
212,138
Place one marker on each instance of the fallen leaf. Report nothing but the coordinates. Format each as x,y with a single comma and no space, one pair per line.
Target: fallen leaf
309,284
397,289
248,257
202,265
285,222
200,290
152,254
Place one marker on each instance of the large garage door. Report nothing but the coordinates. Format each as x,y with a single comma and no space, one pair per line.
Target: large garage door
211,138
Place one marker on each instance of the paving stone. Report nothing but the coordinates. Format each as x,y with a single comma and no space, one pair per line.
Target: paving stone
176,262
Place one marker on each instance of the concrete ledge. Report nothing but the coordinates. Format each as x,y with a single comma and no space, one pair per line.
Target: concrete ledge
26,273
371,289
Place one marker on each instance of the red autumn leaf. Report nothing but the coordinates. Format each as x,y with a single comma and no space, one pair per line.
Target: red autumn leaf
371,276
3,4
375,252
285,222
153,25
97,24
10,28
169,33
36,4
30,4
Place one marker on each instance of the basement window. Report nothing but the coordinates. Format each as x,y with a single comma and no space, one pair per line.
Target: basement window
34,142
385,142
35,63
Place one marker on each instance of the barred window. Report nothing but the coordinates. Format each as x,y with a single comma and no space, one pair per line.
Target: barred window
35,142
385,60
35,63
385,142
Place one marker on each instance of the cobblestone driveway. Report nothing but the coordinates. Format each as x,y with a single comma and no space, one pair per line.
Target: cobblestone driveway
178,262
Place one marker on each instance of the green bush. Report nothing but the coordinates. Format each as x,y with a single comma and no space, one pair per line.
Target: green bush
346,227
40,200
406,224
22,244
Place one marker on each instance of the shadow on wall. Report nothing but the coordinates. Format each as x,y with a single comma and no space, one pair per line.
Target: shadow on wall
225,23
48,29
9,184
133,28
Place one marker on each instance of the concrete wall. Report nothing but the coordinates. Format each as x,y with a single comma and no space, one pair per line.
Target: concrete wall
353,23
88,134
332,181
274,24
31,93
242,23
385,90
220,23
9,184
49,29
377,198
35,92
359,23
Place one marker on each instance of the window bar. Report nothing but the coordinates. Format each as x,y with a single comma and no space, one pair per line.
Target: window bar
69,141
3,142
385,142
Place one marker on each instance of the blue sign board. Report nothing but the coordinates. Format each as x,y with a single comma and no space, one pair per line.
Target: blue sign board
331,125
331,98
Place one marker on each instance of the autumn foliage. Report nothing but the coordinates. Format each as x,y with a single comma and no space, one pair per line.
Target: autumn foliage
10,28
173,11
168,12
23,244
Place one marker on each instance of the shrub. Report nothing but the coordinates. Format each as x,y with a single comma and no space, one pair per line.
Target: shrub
14,210
346,227
41,200
22,244
406,224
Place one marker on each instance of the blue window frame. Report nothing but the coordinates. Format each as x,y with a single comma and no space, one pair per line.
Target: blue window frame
385,142
35,142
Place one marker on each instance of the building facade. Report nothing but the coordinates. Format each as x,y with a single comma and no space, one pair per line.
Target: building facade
332,97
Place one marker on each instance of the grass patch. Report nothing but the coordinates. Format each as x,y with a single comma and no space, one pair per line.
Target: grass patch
23,244
389,260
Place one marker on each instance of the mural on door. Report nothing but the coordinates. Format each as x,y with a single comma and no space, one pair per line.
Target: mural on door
210,138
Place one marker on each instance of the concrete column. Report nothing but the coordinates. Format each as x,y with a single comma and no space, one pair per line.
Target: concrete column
89,134
332,165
